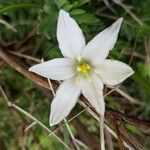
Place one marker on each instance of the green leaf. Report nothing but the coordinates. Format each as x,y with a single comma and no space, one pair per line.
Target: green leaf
67,7
77,12
60,3
18,6
50,7
112,103
144,67
133,129
82,2
143,31
54,52
145,83
86,18
48,25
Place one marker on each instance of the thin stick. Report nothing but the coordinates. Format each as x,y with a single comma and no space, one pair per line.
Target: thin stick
30,126
25,56
66,123
128,97
109,140
70,119
147,46
132,55
10,104
102,140
8,25
125,7
71,135
115,135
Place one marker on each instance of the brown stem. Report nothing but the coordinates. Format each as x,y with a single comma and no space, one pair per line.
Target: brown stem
120,138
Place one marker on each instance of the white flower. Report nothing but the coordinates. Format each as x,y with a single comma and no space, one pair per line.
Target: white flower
84,69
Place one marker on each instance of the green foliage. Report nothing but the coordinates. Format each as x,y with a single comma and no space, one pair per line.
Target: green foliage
133,129
49,16
142,81
112,103
18,6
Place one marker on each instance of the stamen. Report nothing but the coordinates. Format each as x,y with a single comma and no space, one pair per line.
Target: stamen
84,68
79,58
77,79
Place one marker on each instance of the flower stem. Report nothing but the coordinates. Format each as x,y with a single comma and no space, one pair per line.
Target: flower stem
71,135
102,140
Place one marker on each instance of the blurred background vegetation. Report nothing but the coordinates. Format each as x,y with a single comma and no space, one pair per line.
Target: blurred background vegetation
28,28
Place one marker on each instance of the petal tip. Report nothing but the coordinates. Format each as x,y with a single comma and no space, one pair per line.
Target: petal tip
51,124
119,22
129,72
120,19
33,69
30,69
132,72
52,120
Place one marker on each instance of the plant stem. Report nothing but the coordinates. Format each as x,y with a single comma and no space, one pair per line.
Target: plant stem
102,140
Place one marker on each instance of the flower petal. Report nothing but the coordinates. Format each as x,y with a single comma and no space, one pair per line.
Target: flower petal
92,91
113,72
69,35
98,48
56,69
65,99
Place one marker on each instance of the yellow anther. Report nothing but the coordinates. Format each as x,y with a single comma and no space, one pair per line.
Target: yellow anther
84,68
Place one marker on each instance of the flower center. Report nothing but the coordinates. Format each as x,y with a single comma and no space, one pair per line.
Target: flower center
84,68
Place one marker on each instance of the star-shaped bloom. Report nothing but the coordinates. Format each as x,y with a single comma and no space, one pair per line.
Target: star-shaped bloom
84,68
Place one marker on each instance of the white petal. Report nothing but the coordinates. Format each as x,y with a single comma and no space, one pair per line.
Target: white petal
113,72
65,99
98,48
92,91
56,69
69,35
